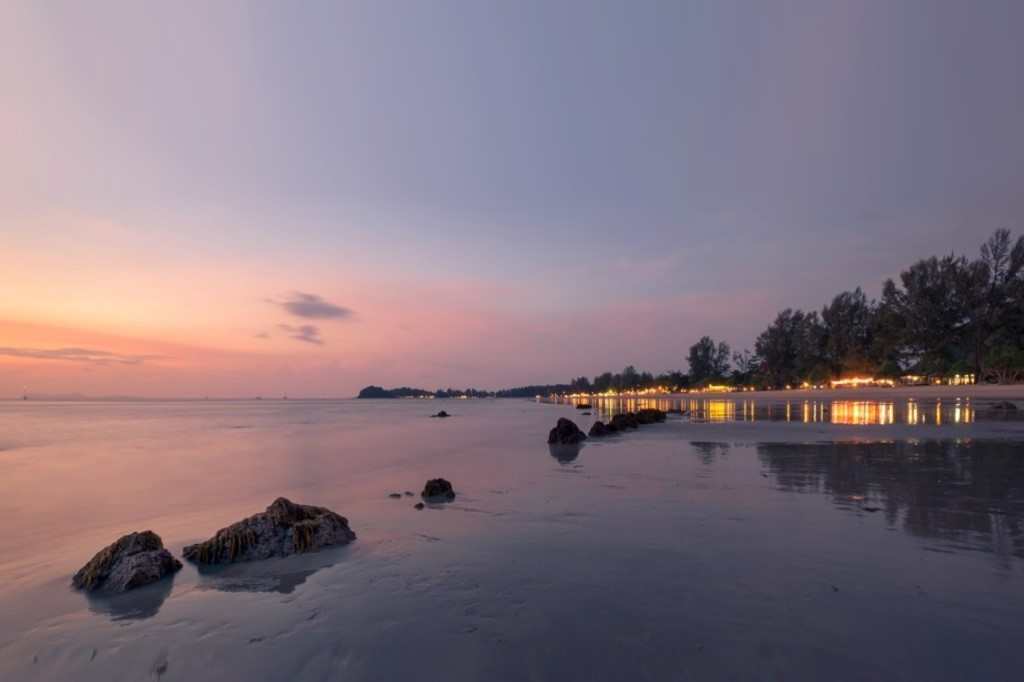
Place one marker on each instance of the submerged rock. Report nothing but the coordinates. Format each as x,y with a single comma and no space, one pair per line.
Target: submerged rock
565,433
285,528
395,496
440,415
438,488
134,560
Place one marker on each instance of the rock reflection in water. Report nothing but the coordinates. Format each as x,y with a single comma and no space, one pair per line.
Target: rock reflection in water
137,604
968,494
280,575
565,453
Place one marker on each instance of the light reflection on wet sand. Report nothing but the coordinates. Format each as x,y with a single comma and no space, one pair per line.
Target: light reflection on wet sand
910,412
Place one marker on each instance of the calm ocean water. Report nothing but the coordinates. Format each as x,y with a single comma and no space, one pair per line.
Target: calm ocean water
732,549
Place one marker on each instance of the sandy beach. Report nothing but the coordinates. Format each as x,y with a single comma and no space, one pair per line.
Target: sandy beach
1013,392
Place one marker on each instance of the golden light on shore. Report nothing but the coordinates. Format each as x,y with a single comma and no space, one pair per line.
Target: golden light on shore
808,411
855,382
858,412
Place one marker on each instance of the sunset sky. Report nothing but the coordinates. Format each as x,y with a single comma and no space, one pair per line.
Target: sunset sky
235,199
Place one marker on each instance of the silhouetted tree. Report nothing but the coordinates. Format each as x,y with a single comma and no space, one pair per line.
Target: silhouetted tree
708,360
848,328
791,349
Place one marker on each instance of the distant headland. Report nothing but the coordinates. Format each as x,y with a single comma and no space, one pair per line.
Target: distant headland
378,392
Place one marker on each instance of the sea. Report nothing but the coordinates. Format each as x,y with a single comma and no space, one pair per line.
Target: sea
735,541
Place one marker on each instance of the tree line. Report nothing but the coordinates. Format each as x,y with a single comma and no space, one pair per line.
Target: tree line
942,316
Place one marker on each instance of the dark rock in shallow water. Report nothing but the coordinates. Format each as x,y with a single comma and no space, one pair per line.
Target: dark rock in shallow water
441,415
438,488
285,528
621,422
650,415
408,493
134,560
585,413
1004,406
627,420
418,505
584,406
395,496
565,433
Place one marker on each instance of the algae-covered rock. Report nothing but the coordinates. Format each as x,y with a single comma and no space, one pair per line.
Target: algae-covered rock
285,528
134,560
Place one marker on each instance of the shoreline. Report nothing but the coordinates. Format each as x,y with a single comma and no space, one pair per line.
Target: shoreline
973,392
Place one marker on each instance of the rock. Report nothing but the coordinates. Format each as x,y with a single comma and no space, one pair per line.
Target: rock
418,505
408,493
134,560
285,528
585,413
1004,406
584,406
440,415
566,433
626,420
438,488
650,416
395,496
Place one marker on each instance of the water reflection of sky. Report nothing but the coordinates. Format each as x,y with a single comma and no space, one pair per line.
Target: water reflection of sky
962,495
691,552
910,412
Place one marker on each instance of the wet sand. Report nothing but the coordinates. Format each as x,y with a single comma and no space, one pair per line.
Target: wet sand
982,392
729,550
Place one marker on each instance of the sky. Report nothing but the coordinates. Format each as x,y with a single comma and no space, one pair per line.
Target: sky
231,199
